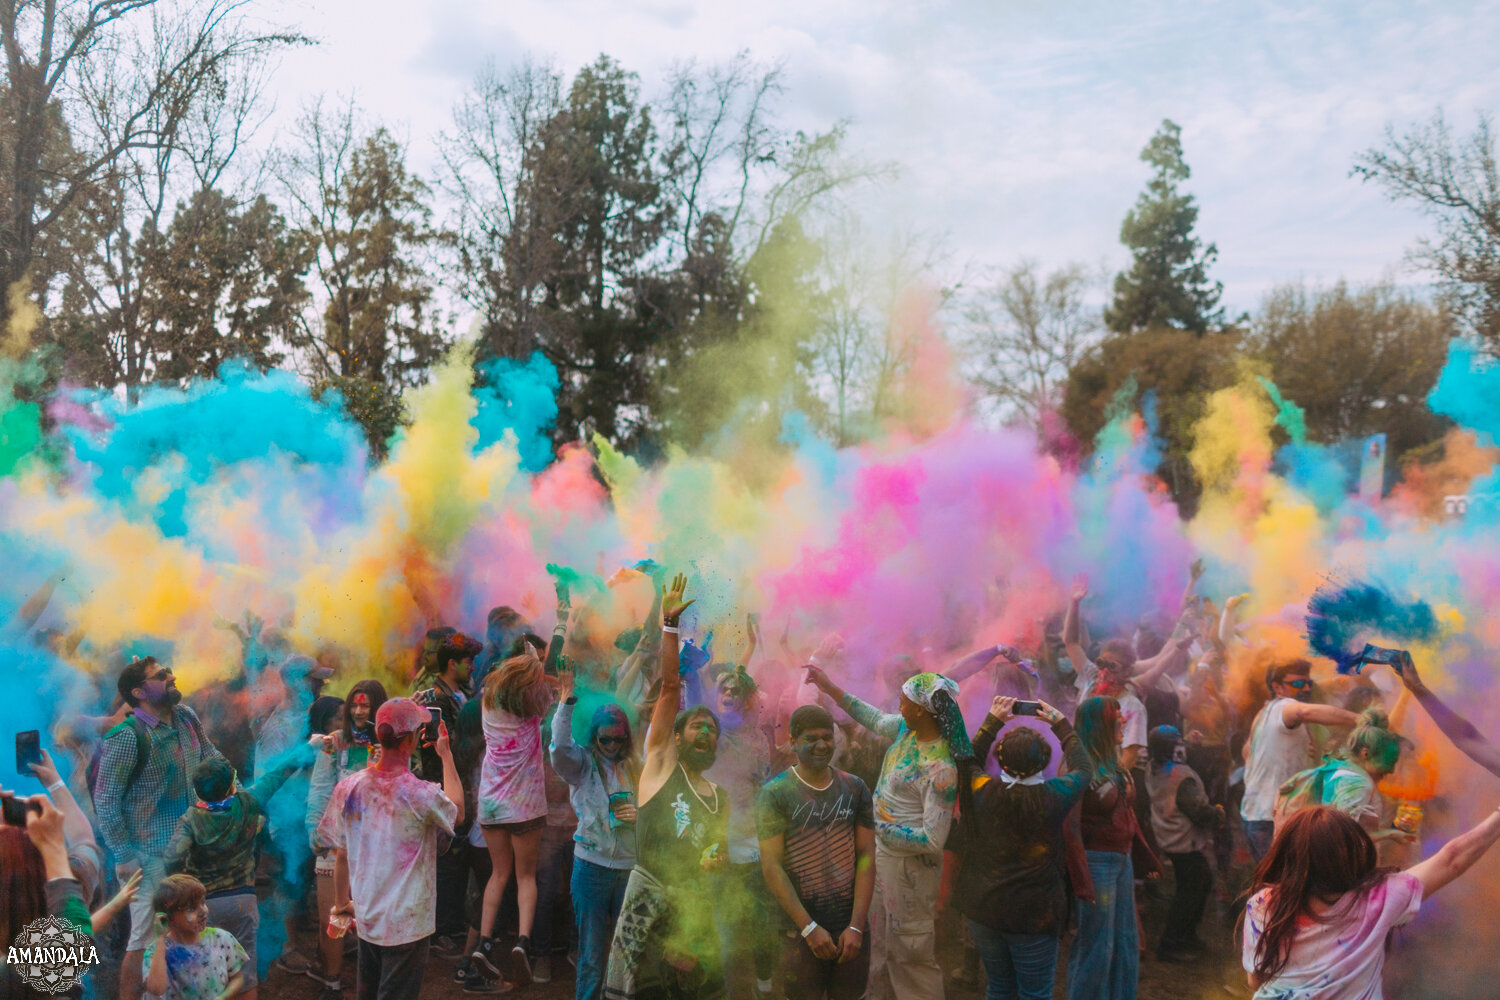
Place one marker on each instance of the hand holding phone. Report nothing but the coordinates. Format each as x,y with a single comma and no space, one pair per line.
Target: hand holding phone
430,729
1026,708
28,750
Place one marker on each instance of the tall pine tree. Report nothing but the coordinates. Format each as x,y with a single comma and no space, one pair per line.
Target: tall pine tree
1167,284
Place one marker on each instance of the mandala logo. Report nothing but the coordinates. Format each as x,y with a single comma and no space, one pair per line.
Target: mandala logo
52,955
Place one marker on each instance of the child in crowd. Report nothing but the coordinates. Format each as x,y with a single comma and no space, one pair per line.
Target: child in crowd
186,958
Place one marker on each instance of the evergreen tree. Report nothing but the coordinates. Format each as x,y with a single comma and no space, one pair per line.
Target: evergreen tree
1167,284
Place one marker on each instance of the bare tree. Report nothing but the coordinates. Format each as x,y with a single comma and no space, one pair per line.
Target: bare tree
92,71
367,223
1024,332
489,159
1455,181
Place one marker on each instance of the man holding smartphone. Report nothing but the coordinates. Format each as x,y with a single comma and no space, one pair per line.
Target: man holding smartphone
143,788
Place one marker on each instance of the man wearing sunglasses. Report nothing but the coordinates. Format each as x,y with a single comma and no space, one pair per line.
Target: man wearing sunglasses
1279,747
142,789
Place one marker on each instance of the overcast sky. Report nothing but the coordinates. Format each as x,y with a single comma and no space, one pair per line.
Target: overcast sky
1017,125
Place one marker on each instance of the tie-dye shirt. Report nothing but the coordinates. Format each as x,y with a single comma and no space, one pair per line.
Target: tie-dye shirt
388,824
917,788
198,971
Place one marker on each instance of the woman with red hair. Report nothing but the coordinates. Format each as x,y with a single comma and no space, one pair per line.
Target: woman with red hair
1321,910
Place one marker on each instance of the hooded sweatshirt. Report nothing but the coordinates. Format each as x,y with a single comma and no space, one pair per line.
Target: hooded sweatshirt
590,784
216,844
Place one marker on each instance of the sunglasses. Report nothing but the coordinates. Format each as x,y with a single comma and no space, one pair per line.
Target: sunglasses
612,741
1298,685
160,675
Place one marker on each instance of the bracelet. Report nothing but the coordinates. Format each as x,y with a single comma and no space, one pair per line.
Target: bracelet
856,930
561,628
59,783
812,925
670,629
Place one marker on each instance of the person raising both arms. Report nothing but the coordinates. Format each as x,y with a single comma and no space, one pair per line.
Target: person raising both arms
666,943
1320,910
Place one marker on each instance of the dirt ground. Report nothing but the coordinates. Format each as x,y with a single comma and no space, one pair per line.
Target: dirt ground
1216,974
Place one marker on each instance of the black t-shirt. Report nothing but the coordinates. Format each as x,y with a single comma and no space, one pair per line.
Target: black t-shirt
818,827
677,828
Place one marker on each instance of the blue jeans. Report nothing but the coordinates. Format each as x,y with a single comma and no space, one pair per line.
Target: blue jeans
1258,836
1018,966
1105,958
597,895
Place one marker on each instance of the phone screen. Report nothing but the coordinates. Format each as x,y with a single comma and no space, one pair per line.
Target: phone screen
28,750
434,719
1026,707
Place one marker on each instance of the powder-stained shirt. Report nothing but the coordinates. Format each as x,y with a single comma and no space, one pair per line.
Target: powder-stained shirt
1340,955
1132,709
1276,752
917,788
512,786
388,825
1349,789
817,828
198,971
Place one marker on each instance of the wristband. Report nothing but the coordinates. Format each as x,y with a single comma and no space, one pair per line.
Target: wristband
812,925
59,783
670,629
561,628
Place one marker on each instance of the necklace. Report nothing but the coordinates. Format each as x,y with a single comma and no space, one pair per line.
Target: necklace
809,784
715,809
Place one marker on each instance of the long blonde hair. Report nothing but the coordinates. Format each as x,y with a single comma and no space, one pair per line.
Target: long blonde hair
520,685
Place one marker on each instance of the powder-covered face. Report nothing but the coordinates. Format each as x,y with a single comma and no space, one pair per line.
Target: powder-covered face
359,709
190,922
612,741
814,748
698,744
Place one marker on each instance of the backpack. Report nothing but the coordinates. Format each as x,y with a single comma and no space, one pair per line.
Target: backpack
1301,791
142,744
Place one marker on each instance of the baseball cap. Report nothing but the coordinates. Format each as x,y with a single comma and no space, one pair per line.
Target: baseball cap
402,714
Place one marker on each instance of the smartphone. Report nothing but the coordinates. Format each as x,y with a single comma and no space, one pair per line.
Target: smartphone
28,751
1379,654
13,810
1026,708
434,719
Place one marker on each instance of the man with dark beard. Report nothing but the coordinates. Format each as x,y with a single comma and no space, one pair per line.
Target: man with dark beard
144,785
665,941
817,850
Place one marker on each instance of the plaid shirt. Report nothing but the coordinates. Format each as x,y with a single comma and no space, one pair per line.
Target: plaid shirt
139,823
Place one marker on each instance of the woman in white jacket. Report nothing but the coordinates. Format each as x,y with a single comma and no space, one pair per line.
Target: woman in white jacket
602,776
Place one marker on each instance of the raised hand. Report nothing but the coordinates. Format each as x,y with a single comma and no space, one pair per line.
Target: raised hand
831,646
818,679
672,604
1003,708
45,770
1195,571
1080,588
565,684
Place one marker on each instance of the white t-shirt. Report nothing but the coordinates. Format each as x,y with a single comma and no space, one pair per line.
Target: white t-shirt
1339,957
388,825
1132,710
1276,753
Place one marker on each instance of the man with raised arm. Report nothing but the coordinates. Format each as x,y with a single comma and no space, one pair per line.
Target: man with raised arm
666,943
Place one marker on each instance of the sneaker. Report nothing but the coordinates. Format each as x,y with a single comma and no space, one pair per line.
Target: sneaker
520,965
477,983
316,974
541,969
463,969
446,946
485,958
293,962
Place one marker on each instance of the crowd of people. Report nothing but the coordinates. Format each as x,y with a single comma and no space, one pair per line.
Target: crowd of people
680,827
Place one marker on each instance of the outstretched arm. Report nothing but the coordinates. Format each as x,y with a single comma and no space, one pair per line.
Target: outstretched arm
660,752
1454,726
1457,855
867,715
976,661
